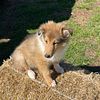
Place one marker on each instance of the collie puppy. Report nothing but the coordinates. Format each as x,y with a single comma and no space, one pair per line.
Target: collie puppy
41,50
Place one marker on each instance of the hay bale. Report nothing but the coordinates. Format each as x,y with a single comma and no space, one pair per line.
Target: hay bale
73,85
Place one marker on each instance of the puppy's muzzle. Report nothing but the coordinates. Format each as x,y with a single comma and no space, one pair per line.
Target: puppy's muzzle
48,55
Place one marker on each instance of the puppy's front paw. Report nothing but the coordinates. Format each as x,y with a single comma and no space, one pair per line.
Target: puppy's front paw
58,69
31,74
53,84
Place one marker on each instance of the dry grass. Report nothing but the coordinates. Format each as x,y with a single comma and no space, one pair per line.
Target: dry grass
73,85
82,16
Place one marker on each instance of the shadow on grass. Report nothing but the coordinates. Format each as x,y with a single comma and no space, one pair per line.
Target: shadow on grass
69,67
16,17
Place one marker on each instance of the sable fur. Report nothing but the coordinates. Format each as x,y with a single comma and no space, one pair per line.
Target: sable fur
51,39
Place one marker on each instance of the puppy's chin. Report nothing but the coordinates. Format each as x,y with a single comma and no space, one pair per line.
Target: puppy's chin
51,59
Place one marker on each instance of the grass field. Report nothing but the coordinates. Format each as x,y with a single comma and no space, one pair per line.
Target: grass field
85,44
84,48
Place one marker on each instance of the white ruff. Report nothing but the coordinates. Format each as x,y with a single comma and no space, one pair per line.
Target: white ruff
57,56
41,44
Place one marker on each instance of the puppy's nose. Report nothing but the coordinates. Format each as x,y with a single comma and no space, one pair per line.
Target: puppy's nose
47,55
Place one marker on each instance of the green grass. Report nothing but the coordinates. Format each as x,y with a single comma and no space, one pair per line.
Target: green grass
86,4
78,44
24,18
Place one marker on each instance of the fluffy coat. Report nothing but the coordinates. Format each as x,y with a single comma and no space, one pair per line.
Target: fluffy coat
41,50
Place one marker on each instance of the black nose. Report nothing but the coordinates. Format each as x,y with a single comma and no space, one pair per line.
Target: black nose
47,56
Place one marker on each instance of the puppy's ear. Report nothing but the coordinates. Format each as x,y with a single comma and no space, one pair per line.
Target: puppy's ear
41,29
40,32
66,32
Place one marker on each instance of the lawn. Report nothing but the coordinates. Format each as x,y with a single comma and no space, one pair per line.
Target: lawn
84,47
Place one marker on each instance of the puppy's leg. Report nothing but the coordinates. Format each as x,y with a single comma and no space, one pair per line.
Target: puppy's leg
58,69
30,71
19,62
46,74
31,74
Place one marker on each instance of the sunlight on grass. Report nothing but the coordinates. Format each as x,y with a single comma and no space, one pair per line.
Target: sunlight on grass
31,31
85,4
84,37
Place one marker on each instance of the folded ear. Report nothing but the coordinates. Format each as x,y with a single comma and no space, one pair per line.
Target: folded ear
39,32
41,29
66,32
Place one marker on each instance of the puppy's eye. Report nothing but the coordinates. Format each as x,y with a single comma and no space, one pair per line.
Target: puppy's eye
46,41
55,43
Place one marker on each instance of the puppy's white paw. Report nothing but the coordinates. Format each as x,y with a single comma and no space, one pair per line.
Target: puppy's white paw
58,69
31,74
53,84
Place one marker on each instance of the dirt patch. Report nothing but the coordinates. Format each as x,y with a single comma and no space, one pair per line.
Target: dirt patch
73,85
91,50
81,16
90,53
97,4
90,40
96,62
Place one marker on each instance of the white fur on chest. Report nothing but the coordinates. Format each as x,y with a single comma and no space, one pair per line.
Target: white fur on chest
57,56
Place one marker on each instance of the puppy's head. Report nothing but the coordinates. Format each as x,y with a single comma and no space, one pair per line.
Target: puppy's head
53,36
